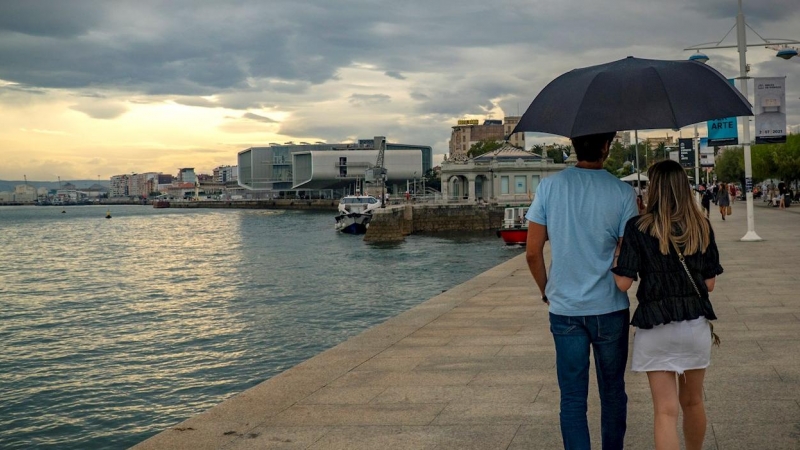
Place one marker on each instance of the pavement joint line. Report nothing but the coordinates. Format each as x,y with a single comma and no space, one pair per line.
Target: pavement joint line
519,427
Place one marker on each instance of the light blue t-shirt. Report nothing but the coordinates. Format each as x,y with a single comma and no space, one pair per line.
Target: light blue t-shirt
585,212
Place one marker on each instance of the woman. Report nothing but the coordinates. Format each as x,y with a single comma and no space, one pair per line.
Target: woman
673,336
723,199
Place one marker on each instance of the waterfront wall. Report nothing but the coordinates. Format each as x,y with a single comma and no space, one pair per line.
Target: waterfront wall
394,223
316,204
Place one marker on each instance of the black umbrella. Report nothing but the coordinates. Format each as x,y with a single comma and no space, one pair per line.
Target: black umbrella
632,94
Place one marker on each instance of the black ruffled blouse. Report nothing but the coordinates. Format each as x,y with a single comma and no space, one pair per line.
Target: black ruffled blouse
665,293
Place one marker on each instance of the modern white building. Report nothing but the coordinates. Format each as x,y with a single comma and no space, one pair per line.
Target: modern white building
272,168
340,168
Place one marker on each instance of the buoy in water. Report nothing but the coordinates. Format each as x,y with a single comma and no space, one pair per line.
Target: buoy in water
108,214
63,211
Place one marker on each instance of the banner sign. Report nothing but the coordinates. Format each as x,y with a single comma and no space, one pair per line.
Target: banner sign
723,131
770,110
706,153
686,152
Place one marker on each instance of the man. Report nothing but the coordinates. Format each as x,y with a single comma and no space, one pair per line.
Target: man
583,211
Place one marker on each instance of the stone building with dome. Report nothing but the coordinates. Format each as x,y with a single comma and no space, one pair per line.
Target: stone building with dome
506,176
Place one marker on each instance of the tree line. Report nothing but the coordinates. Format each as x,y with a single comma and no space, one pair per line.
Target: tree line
779,161
770,161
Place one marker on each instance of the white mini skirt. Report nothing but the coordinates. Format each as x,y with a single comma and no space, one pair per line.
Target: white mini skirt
674,347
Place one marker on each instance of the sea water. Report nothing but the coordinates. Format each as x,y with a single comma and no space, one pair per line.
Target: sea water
113,329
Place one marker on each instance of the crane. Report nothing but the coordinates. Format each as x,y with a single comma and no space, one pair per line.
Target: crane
378,173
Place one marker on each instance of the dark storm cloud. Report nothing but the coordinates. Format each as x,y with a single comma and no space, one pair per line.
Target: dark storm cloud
394,74
49,18
755,11
455,58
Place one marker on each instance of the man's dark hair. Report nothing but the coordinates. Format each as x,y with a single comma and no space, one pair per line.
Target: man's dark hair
589,148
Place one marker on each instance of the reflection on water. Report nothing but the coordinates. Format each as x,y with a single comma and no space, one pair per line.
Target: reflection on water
114,329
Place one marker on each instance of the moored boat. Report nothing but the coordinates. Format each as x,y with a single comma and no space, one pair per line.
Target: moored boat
355,212
515,226
160,204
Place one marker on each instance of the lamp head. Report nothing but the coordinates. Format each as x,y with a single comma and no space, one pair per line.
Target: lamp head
786,53
699,57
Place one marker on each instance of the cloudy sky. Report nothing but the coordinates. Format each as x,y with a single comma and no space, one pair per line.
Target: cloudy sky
90,89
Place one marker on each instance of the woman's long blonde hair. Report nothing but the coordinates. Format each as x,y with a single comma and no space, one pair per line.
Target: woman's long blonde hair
671,210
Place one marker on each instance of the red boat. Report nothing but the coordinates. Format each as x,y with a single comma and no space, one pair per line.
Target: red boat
515,227
161,204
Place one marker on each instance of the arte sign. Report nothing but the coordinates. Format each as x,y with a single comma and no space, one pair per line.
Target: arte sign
723,131
468,122
770,110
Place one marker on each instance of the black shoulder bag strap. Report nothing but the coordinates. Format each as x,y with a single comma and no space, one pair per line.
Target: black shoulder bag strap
714,336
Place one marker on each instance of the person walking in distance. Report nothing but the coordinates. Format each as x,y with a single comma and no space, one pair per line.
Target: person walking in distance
671,249
705,201
582,211
723,200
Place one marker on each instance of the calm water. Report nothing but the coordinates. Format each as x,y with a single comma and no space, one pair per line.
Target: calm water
112,330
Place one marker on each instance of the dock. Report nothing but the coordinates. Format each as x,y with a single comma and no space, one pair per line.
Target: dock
474,368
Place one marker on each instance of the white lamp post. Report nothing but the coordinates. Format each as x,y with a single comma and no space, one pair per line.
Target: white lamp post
741,45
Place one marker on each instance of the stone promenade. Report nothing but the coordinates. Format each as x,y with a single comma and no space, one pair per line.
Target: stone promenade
473,368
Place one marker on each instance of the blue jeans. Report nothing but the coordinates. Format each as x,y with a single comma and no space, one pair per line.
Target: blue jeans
607,334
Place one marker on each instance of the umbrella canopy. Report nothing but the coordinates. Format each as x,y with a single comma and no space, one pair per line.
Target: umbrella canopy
635,177
632,94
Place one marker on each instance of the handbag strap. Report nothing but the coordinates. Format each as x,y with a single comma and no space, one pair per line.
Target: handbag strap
685,267
714,336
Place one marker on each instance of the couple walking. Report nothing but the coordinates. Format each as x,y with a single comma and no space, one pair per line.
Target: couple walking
599,246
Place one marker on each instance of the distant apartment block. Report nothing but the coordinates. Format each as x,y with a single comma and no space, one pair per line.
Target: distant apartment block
224,174
470,131
623,137
186,175
142,184
119,186
654,142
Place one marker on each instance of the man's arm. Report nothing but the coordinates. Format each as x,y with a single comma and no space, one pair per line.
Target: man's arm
534,254
623,283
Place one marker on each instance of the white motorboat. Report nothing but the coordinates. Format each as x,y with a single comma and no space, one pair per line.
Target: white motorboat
355,212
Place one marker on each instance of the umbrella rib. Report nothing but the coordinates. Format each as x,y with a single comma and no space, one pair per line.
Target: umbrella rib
580,106
666,95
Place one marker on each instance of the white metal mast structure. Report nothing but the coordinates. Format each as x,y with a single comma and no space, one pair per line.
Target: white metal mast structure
741,46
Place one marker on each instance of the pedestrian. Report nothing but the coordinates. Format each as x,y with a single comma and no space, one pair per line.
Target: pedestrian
705,201
671,248
723,200
732,191
583,211
782,195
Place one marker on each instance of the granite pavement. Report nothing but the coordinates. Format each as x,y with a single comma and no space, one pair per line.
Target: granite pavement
473,368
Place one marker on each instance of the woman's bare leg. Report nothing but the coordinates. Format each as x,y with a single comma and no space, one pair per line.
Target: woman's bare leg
690,394
665,409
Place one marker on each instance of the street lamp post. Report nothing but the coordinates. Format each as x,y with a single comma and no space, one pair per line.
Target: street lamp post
741,46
